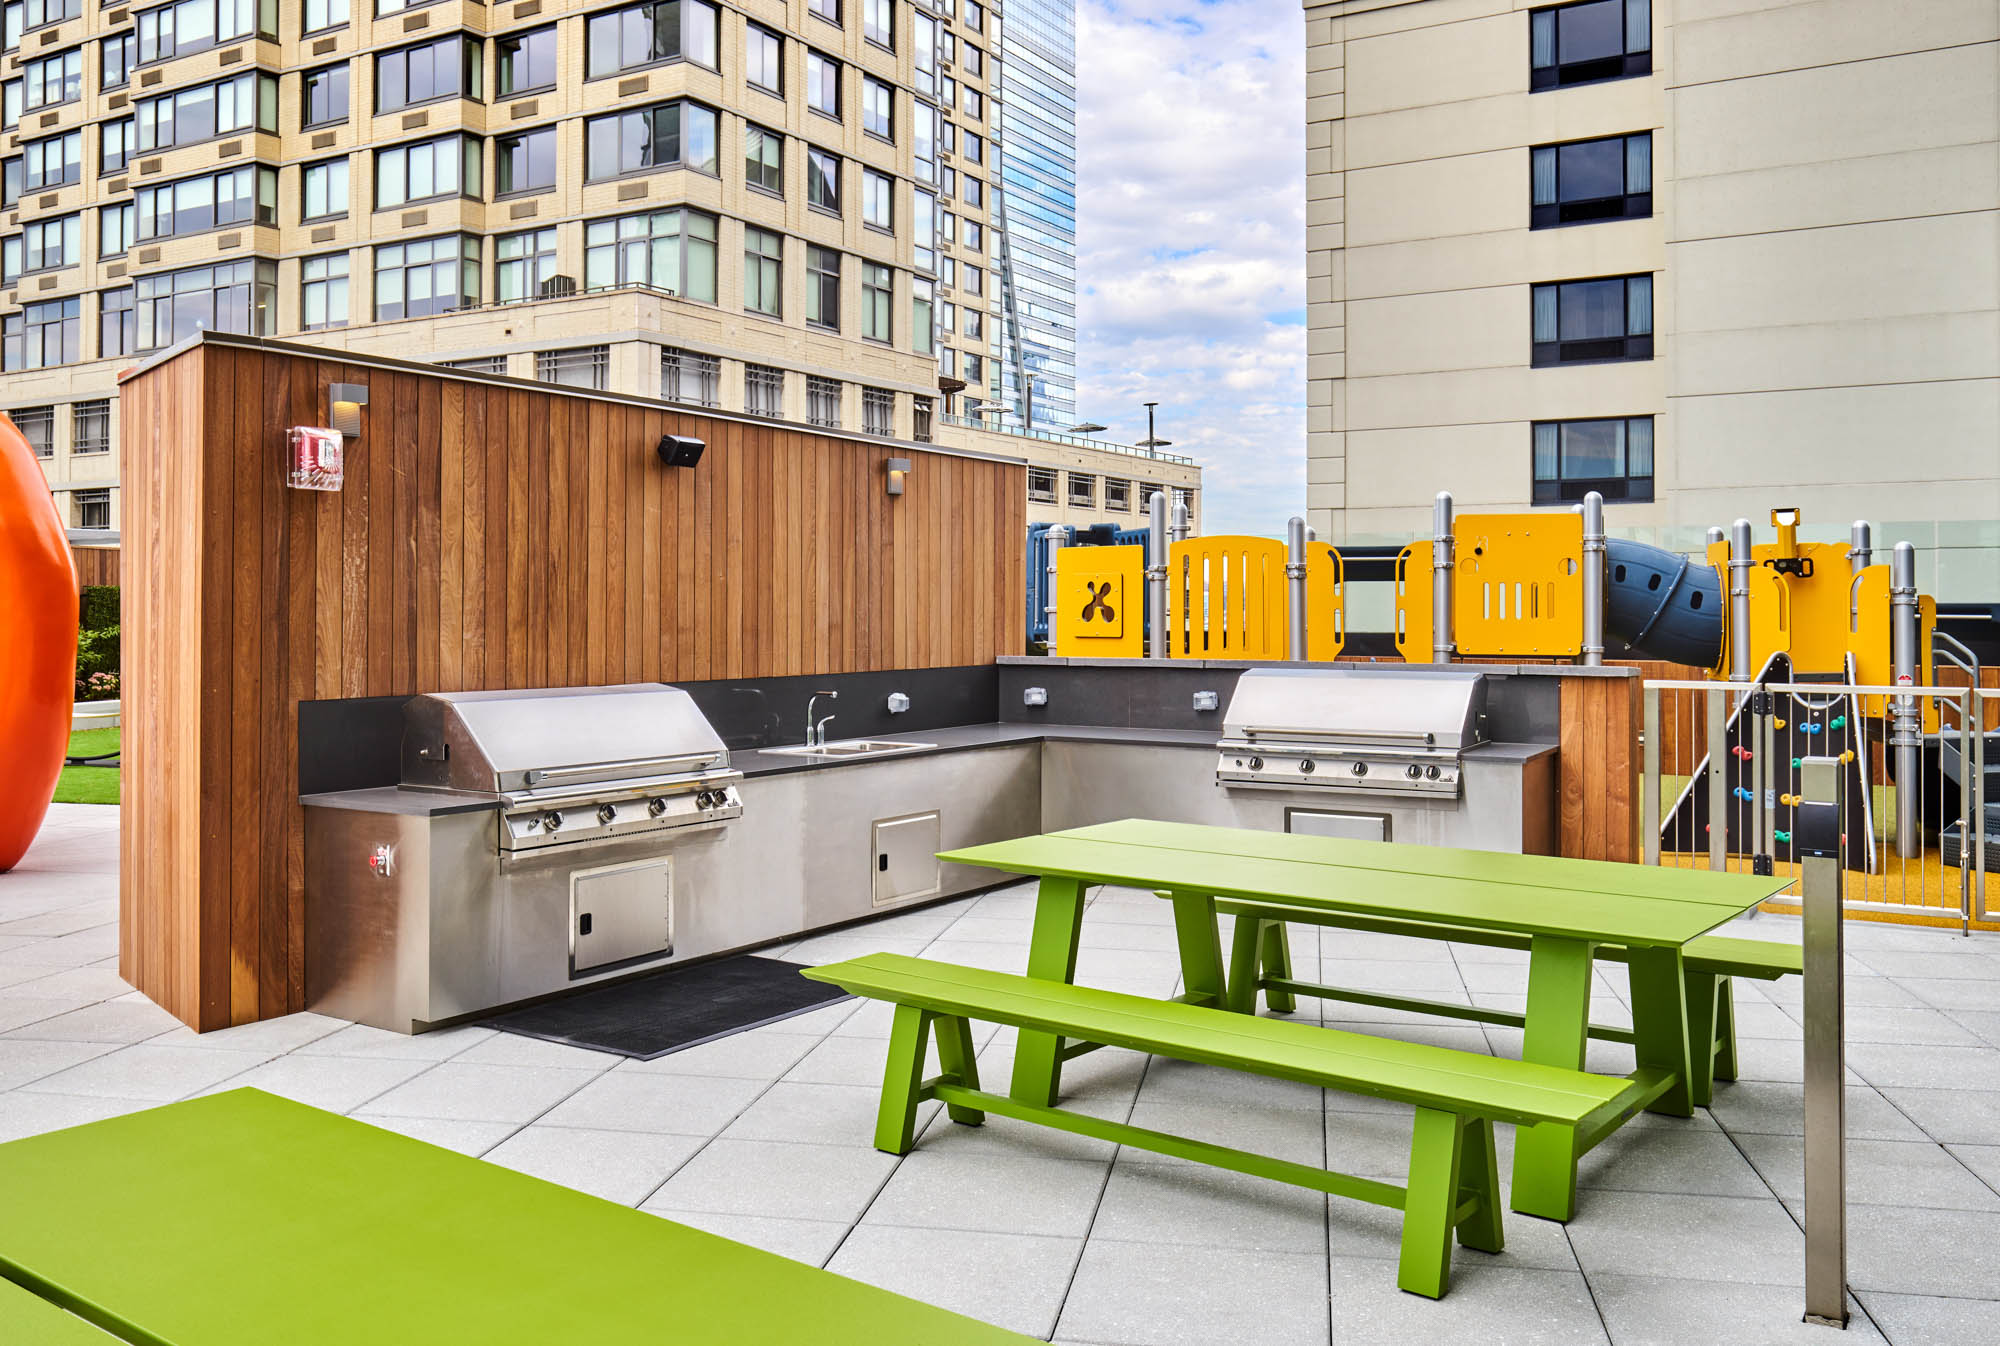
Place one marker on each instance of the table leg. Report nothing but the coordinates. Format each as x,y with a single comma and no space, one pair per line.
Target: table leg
1704,993
1201,949
1051,956
1555,1034
1660,1025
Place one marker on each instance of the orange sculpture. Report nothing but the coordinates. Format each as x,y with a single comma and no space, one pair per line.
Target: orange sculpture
38,617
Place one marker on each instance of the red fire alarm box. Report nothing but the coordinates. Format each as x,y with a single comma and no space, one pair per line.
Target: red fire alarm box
313,458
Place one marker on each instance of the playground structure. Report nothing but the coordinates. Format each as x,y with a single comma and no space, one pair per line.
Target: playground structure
1811,649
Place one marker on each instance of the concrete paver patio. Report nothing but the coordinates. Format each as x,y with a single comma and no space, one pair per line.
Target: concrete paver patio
1687,1231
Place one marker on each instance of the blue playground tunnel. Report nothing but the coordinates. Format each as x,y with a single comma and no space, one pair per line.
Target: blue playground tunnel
1661,604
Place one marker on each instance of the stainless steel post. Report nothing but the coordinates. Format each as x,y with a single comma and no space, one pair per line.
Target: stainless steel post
1739,601
1649,778
1715,535
1182,527
1058,538
1441,553
1860,546
1295,587
1818,842
1718,779
1593,579
1156,575
1906,720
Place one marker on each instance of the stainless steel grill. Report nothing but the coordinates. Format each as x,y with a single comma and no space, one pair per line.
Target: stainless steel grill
1354,730
573,766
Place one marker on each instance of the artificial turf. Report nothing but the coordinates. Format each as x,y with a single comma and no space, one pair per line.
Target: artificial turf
89,784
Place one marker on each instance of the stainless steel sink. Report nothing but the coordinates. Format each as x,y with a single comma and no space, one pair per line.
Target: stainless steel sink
852,747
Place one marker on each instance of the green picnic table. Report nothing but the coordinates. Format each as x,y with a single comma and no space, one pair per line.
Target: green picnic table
1563,909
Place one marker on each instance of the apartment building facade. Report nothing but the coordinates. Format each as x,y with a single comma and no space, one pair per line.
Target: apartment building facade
1704,256
777,207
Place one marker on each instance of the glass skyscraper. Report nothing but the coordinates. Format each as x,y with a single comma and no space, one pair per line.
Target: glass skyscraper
1037,215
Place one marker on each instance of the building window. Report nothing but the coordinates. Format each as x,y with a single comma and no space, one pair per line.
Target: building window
208,111
923,304
323,97
823,84
54,79
878,199
878,284
975,62
117,56
764,159
975,16
671,250
878,22
1042,485
40,14
1082,490
324,14
1611,457
431,275
91,509
1586,180
763,390
526,62
197,25
53,243
689,376
670,135
91,429
826,9
525,163
975,325
114,143
450,67
823,402
1596,40
878,411
427,170
42,335
1118,495
823,180
642,35
325,189
231,297
975,149
323,291
10,182
763,271
975,369
581,367
974,279
53,162
1580,321
975,191
878,107
524,264
117,328
822,287
192,205
114,229
920,419
478,364
764,59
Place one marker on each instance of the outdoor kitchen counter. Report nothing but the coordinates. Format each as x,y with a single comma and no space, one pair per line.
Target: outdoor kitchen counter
753,762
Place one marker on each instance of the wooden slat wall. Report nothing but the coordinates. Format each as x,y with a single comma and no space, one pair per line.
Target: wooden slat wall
1600,722
95,565
486,536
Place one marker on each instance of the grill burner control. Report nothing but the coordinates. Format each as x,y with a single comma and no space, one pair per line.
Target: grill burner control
1256,764
1361,768
551,821
1432,773
654,808
1413,770
606,812
1306,767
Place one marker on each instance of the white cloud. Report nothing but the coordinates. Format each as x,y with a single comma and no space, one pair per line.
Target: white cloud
1191,233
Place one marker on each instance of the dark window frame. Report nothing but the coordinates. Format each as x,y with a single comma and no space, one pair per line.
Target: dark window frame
518,40
1627,346
1560,213
1546,26
1563,490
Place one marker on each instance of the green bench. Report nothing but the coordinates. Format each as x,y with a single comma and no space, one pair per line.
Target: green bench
28,1321
1453,1182
247,1220
1260,960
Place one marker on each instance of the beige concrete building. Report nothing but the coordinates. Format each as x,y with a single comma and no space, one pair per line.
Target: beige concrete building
777,207
1707,256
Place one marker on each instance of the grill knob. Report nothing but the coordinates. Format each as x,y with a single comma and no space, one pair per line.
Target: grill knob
1414,771
551,821
1361,768
605,813
654,808
1256,764
1432,772
1306,768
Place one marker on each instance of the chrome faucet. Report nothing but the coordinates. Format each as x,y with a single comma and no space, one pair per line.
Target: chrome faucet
816,732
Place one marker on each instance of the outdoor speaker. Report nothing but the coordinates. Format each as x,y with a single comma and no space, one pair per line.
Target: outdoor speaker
680,450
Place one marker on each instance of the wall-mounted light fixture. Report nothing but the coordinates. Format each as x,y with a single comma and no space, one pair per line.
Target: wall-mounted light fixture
899,468
344,403
680,450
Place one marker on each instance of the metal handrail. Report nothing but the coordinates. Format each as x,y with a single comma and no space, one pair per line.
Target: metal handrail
1057,437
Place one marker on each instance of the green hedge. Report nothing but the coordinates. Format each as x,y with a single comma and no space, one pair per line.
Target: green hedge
96,652
99,607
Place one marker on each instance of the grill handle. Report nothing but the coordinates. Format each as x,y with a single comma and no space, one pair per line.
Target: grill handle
616,770
1340,736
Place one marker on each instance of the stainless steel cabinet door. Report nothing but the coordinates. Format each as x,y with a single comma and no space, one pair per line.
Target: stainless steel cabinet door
906,863
620,913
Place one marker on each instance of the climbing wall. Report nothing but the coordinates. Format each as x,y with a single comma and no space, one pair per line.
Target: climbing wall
1803,725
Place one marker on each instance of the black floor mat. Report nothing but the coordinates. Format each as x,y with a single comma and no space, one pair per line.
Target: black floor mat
674,1009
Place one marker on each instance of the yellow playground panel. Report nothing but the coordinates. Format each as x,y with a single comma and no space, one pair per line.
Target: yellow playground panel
1226,598
1413,603
1519,589
1326,602
1100,602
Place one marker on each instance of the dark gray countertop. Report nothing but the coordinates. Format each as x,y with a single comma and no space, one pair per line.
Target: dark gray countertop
394,799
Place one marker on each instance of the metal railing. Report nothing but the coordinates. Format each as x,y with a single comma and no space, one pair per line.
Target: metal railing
1913,840
1057,437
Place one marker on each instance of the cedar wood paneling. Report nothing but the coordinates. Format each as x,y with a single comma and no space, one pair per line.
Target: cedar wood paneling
486,536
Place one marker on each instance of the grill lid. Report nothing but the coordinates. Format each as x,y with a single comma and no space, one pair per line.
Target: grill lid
1443,710
555,739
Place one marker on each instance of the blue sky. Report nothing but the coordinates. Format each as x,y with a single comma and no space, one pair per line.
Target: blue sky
1191,241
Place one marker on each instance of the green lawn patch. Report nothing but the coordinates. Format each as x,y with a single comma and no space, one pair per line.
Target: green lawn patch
89,784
